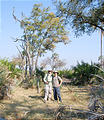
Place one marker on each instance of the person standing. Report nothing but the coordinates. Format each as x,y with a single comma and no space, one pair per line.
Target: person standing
48,85
57,81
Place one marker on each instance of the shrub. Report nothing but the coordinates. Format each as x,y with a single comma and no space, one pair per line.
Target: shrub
66,73
8,71
11,67
83,73
4,82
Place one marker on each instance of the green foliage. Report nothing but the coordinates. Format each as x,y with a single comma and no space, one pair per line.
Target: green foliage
16,72
2,75
40,73
84,16
66,73
4,81
13,71
43,29
83,73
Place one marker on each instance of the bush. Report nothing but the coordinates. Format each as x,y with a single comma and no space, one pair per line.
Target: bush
36,80
83,73
40,72
11,67
8,72
4,82
66,73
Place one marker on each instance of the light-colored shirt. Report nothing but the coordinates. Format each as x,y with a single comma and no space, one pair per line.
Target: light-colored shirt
56,81
48,78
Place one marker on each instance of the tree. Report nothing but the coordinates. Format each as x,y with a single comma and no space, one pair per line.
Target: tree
54,62
101,57
42,30
85,16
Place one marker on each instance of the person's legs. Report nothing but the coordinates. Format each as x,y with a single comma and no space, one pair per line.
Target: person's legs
58,94
55,93
50,91
46,92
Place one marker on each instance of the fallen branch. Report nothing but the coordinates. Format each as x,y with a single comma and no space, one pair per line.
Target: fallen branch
60,113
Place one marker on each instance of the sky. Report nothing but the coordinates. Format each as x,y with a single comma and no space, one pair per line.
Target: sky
84,48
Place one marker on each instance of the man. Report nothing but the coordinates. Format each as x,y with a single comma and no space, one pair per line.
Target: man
57,81
48,85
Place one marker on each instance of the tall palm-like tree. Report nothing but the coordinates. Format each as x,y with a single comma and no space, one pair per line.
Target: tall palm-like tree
101,49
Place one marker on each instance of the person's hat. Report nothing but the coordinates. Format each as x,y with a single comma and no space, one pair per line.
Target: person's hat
55,71
50,71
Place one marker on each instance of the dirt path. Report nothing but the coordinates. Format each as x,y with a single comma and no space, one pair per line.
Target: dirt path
28,105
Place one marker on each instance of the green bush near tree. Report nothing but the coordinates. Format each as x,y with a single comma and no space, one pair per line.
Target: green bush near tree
8,72
13,71
66,73
4,81
84,72
3,74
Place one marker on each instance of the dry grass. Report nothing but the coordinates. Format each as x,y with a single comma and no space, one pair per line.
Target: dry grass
28,105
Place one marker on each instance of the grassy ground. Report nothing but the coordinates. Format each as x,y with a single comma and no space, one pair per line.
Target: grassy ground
28,105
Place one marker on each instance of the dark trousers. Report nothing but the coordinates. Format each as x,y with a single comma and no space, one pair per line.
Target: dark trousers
56,92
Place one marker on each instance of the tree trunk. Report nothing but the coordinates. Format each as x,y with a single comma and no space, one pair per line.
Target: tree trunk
29,59
30,71
32,63
36,62
32,58
26,68
38,88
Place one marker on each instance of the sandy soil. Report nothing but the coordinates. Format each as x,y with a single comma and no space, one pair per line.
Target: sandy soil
27,104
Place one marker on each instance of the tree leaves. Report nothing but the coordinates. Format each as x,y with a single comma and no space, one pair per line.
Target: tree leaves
42,30
84,16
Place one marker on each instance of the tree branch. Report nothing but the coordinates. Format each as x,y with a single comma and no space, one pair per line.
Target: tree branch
15,17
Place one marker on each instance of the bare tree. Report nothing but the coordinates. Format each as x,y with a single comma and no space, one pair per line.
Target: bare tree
54,62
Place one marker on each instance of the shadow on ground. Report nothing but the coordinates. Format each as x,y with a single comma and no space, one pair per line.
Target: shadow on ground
20,111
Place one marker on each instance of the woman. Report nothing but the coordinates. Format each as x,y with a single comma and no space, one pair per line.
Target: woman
57,81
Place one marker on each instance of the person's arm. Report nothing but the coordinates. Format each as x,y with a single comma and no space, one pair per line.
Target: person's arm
60,81
45,77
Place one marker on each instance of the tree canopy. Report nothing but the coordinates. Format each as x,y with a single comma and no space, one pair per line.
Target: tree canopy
85,16
42,30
